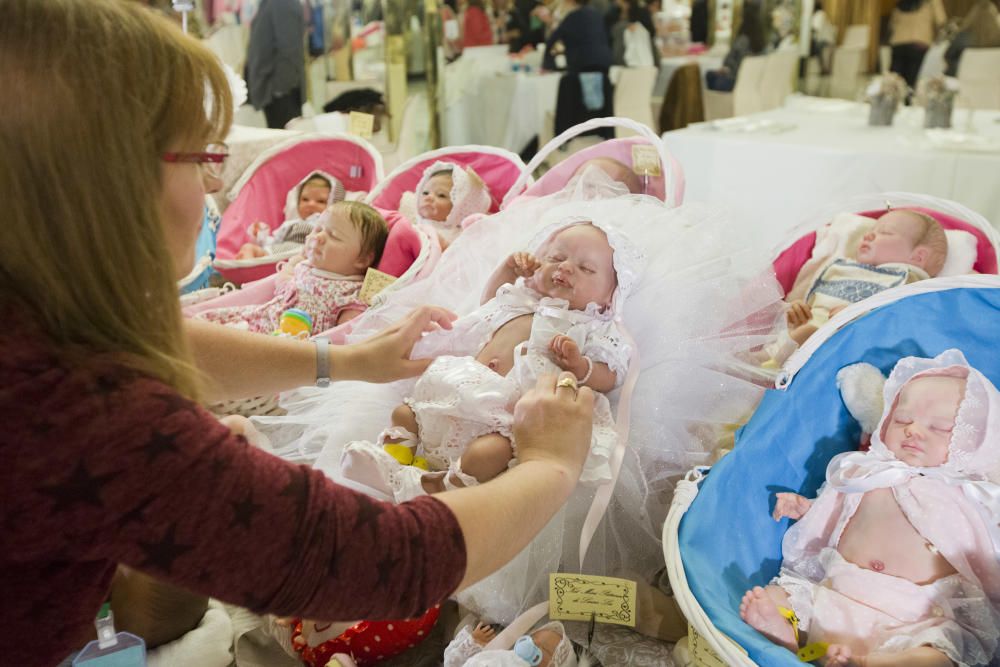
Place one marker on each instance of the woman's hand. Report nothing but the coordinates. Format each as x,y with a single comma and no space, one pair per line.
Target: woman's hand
385,357
553,423
790,505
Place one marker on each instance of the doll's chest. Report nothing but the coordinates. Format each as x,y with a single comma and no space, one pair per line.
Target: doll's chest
879,537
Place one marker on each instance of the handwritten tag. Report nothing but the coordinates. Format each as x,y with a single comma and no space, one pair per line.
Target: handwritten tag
361,124
375,282
701,652
577,597
645,160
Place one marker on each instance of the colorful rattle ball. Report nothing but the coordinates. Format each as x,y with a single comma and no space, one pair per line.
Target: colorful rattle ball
295,322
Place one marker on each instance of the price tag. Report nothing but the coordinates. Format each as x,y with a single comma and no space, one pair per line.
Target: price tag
361,124
375,282
580,597
645,160
701,652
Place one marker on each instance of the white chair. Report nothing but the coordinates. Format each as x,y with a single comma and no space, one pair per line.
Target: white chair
745,98
846,71
633,97
778,81
856,36
979,79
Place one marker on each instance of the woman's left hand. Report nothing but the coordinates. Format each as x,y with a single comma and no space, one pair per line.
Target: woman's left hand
385,357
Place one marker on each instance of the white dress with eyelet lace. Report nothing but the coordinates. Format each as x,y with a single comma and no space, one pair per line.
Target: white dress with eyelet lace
458,399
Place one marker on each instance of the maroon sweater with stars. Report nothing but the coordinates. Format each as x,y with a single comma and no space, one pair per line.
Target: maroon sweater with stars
100,465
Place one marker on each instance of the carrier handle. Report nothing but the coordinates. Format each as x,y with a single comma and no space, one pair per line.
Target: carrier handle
675,190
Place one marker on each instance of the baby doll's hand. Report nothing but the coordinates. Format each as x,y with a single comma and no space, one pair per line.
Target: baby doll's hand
258,228
790,505
798,313
523,264
483,634
567,355
250,251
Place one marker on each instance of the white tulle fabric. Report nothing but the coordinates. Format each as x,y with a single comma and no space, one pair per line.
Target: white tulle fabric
953,506
703,307
463,651
468,197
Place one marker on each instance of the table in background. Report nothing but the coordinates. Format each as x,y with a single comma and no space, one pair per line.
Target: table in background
776,180
670,64
487,103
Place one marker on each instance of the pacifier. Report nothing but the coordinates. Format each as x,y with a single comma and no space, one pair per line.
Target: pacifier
526,650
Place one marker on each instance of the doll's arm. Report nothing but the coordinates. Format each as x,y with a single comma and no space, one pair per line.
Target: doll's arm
518,265
790,505
594,374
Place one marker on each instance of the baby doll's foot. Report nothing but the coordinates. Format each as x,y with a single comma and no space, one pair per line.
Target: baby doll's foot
360,463
761,613
838,655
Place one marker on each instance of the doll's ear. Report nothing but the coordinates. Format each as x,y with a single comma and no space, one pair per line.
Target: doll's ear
920,255
861,390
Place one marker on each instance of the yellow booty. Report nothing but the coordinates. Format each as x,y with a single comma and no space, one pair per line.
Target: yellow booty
421,462
401,453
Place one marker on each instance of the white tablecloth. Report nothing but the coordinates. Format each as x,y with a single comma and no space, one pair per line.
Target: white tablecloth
671,64
486,103
777,180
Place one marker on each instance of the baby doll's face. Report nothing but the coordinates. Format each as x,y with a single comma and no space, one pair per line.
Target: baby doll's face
313,199
919,429
893,239
434,201
335,244
547,642
577,265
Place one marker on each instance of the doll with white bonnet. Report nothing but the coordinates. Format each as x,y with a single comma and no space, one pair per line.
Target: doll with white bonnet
548,646
896,561
446,195
554,310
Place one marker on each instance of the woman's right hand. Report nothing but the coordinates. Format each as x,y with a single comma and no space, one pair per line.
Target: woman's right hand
385,357
554,423
523,264
790,505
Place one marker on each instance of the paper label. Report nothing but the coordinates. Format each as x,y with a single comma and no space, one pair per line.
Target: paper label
361,124
577,597
645,160
375,282
701,652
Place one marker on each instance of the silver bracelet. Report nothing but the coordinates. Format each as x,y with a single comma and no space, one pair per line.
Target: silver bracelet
590,370
322,362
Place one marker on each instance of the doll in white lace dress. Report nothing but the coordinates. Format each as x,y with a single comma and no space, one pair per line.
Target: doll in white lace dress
897,562
553,311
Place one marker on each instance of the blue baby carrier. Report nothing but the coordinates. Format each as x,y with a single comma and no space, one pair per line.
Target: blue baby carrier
204,250
719,538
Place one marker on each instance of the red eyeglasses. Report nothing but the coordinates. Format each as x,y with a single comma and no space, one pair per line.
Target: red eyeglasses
212,159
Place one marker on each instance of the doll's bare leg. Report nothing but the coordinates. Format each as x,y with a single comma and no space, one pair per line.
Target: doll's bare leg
759,609
801,334
403,418
486,457
838,655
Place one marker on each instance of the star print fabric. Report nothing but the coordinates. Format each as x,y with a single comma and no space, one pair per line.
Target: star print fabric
102,465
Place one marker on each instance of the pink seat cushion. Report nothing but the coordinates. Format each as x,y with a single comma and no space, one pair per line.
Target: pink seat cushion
402,247
790,261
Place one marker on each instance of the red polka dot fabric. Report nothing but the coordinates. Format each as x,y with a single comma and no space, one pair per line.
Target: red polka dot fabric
369,642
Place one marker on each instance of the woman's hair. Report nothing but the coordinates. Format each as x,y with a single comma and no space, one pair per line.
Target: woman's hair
909,5
752,25
96,91
371,224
